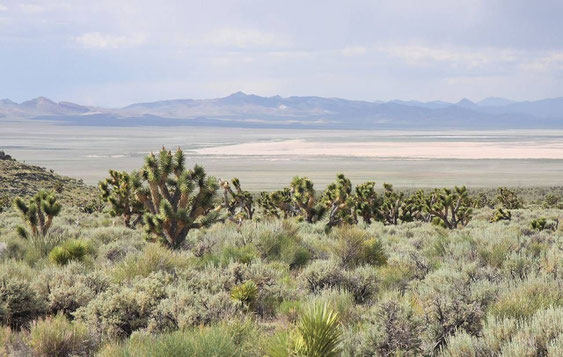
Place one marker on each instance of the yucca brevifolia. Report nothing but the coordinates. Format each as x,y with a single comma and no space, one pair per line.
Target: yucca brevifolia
450,208
237,202
119,191
278,204
303,197
482,201
38,213
340,202
414,207
501,215
367,202
508,198
173,206
391,206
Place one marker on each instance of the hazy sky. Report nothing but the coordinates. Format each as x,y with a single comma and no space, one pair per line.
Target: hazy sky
117,52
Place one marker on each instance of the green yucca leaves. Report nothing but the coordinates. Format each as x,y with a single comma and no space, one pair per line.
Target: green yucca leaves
316,335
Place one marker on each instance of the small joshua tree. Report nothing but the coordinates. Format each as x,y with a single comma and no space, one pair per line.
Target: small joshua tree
176,199
119,192
501,215
368,202
38,213
303,197
508,199
450,208
238,203
340,202
278,204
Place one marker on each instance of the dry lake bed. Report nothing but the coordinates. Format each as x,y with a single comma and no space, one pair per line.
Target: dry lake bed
266,159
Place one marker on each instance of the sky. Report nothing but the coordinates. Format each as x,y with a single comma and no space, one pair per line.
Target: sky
118,52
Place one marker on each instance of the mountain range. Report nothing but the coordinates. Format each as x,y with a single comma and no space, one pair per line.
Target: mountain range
249,110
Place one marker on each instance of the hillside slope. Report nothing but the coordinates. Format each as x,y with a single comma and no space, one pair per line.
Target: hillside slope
20,179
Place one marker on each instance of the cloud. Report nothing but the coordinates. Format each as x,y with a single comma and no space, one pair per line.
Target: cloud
97,40
241,38
31,8
457,56
353,51
3,8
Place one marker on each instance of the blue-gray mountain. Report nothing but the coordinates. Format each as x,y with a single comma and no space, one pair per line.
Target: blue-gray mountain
242,110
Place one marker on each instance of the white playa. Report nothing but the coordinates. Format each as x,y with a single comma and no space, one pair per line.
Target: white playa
405,150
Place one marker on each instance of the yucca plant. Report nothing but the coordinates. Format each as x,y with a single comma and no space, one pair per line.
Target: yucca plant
245,293
450,208
303,196
238,203
508,198
340,202
72,250
538,224
317,335
391,207
501,215
177,200
119,192
367,202
38,213
278,204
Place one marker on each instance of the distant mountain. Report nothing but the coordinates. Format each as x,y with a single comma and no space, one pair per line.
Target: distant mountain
253,111
494,102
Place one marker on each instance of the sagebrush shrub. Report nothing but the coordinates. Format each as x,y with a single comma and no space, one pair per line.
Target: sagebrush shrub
394,330
123,309
524,298
19,303
354,246
68,288
56,336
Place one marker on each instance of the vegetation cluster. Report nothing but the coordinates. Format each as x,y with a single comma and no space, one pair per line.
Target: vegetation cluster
178,263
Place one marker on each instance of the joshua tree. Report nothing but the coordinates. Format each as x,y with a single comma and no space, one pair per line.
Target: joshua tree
501,215
340,202
303,197
450,208
119,192
278,204
38,213
176,199
508,199
482,201
391,207
238,203
368,202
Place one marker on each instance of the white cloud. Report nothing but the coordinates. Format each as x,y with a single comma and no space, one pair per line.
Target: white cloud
103,41
458,56
32,8
3,8
546,63
353,51
241,38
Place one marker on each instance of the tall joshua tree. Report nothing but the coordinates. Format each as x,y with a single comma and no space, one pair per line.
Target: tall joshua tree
237,202
368,202
38,213
303,196
340,202
450,208
391,207
176,199
119,192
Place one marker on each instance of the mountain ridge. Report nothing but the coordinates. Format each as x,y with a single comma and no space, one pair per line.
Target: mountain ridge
249,110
